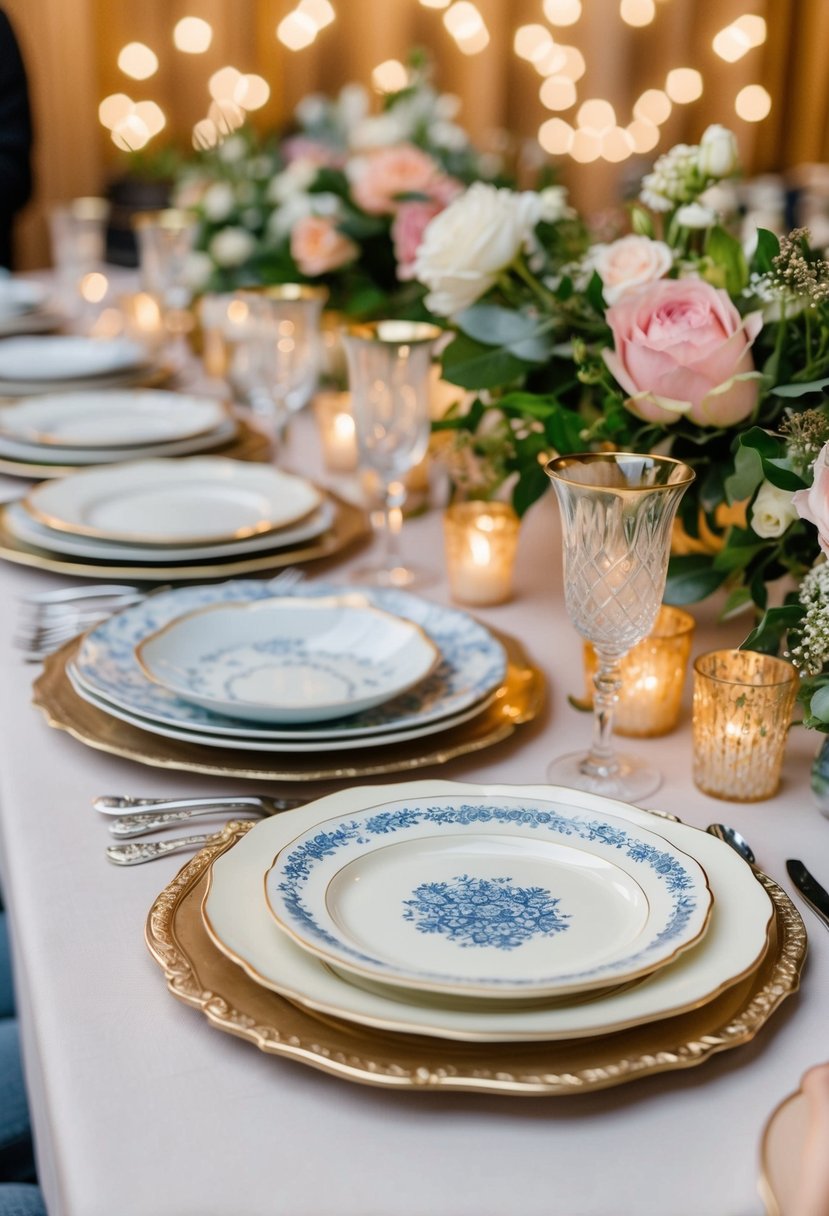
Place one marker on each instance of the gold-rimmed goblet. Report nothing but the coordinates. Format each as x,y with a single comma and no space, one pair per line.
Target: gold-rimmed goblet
388,371
617,510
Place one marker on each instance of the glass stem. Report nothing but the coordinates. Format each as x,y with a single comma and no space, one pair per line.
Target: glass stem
394,495
600,761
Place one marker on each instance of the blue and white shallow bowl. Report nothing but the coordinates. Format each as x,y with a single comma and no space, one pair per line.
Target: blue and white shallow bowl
488,896
473,664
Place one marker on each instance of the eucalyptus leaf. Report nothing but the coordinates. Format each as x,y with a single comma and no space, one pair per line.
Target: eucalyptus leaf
727,252
775,624
819,704
473,365
495,326
800,390
691,578
768,247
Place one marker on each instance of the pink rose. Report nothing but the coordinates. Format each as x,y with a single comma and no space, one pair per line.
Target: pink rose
813,504
380,178
407,232
682,348
302,147
317,246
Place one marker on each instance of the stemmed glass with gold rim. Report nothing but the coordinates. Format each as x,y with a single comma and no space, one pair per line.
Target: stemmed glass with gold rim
617,511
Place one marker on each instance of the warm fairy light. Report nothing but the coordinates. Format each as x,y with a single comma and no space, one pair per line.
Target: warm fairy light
131,134
222,84
151,115
531,42
596,115
237,312
752,27
192,35
753,103
435,3
476,43
637,12
320,12
296,31
645,135
251,92
94,286
586,146
617,145
573,65
205,134
463,21
137,60
556,136
390,76
653,106
557,93
683,85
226,115
114,109
551,61
562,12
740,37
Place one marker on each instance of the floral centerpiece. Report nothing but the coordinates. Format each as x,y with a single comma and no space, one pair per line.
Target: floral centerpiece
344,199
672,338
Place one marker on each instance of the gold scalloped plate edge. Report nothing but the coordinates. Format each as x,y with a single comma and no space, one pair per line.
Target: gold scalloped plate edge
519,700
199,975
247,444
350,526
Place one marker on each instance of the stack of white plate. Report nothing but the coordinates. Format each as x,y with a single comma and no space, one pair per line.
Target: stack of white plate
158,513
30,365
234,667
106,426
487,913
23,308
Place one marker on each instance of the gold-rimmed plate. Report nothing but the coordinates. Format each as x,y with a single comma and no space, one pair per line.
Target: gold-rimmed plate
198,974
519,700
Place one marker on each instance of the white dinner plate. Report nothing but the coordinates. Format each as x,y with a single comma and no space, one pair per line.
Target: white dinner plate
112,419
79,458
19,297
62,357
288,661
200,500
473,665
488,896
241,925
32,532
245,743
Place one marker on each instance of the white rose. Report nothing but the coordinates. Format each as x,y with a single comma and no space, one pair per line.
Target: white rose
197,271
232,247
772,511
296,179
629,263
694,215
218,202
381,131
465,247
447,106
352,105
233,150
554,204
311,110
718,153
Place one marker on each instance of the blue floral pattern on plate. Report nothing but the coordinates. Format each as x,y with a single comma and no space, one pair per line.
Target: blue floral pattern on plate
485,912
473,663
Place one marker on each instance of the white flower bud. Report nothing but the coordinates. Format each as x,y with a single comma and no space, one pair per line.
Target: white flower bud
772,511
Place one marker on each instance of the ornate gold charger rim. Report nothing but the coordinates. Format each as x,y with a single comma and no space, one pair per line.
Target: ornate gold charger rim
350,526
247,444
518,700
200,975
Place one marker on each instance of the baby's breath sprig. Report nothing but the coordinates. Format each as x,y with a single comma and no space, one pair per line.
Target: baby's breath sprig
811,651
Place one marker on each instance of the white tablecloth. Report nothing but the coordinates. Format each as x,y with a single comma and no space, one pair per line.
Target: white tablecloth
141,1107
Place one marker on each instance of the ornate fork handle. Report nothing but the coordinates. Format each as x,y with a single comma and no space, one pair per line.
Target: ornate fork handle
140,825
136,854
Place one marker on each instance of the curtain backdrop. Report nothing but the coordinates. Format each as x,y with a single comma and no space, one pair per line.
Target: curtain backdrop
71,51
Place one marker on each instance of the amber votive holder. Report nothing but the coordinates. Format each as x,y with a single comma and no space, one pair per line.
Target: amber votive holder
481,541
653,676
743,703
337,431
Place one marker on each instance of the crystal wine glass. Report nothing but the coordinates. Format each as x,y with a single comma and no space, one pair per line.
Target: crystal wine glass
617,509
388,370
165,242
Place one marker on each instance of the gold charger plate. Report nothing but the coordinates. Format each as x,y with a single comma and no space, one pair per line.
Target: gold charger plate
200,975
247,444
518,700
350,526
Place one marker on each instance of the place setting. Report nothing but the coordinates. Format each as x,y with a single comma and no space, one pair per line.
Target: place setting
45,363
24,308
298,682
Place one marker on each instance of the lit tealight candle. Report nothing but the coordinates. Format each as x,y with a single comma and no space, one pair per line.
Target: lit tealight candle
337,432
481,539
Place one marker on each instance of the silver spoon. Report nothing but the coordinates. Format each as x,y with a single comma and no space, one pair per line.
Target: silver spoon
732,836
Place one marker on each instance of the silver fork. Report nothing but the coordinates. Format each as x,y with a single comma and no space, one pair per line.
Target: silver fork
156,814
151,850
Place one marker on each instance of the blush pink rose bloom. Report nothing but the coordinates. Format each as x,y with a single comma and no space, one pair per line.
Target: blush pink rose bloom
813,504
379,178
317,246
682,348
407,231
302,147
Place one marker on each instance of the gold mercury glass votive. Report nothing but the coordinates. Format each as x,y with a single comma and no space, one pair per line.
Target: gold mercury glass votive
653,676
743,704
337,432
481,539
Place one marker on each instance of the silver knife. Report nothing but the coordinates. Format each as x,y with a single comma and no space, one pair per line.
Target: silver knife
811,890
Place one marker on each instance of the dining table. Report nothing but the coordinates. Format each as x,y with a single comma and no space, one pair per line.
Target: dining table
140,1106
